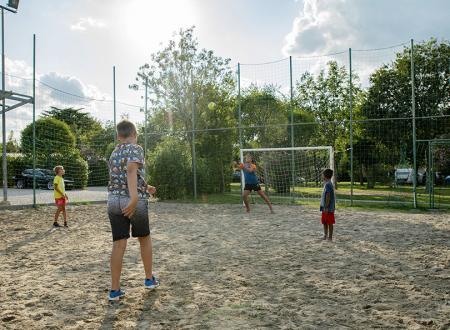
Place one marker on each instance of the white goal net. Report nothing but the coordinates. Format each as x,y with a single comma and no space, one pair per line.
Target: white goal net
290,173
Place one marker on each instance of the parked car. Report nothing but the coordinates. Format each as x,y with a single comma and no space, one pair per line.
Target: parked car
44,179
405,175
447,179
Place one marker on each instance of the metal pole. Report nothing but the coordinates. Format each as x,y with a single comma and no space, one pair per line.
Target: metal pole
34,120
4,164
292,126
429,174
146,118
194,160
240,127
114,102
413,109
351,124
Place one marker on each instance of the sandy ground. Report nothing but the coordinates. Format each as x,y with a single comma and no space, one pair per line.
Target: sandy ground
222,269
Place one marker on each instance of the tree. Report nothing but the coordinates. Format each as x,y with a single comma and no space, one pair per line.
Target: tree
83,126
182,78
265,116
52,136
11,144
326,98
389,96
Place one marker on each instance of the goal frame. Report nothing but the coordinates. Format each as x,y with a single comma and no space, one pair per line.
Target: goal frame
250,150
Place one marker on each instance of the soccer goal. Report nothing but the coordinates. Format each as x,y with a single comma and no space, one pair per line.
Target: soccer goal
290,173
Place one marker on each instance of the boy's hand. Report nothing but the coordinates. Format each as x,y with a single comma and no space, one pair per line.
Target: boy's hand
129,210
151,190
66,197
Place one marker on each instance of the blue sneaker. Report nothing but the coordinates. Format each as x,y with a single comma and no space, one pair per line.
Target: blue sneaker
115,294
151,283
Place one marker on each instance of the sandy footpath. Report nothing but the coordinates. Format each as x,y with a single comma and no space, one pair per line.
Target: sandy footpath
223,269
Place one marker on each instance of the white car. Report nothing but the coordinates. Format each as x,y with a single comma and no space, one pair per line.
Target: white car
405,175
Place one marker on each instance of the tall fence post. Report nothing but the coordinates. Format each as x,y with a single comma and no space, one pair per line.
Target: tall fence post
194,159
4,164
291,106
34,120
351,123
114,102
240,125
145,116
413,109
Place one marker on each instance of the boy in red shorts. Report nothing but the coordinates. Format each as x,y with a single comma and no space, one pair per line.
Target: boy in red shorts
327,204
60,195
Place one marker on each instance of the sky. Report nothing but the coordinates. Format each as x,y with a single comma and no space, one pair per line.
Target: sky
78,42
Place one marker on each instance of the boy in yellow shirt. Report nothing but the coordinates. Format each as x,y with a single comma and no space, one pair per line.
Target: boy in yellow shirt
60,195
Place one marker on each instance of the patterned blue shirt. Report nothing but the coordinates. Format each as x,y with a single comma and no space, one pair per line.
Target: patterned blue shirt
122,155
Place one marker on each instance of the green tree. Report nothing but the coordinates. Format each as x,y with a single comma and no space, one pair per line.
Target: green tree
52,136
389,97
326,97
265,116
84,127
183,78
11,144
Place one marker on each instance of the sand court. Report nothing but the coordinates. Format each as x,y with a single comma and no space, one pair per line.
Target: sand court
223,269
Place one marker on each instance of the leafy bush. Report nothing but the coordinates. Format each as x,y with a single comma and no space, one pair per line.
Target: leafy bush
76,167
98,172
16,164
169,168
52,136
209,177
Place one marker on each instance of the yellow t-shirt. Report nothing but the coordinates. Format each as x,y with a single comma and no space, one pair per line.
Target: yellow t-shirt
58,180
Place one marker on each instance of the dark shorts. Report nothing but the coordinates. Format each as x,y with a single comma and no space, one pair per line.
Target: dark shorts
328,218
120,224
250,187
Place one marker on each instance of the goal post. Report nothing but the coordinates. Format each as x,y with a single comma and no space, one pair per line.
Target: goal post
291,172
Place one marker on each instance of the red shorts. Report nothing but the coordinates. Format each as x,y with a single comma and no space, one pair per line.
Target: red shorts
328,218
60,201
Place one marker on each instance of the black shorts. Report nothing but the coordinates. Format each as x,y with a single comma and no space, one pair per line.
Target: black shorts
120,224
250,187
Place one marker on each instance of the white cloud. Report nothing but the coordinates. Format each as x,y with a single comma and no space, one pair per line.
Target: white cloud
87,22
52,89
325,26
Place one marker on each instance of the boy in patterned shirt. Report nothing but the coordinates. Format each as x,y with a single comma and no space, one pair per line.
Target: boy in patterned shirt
128,205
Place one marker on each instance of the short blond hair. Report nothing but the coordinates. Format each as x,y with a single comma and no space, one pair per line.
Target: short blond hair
58,168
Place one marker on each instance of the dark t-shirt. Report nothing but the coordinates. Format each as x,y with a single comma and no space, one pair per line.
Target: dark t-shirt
328,188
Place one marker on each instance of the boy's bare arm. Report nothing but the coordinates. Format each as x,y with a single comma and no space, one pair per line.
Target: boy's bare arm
132,168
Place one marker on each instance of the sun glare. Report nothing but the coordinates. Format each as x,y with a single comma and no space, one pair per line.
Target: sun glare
153,21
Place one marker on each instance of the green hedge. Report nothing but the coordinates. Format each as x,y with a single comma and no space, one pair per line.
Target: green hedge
98,172
76,167
15,165
169,168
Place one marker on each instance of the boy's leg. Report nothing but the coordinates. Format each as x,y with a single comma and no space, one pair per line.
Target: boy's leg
64,214
325,231
330,231
266,199
247,206
117,253
58,211
146,255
